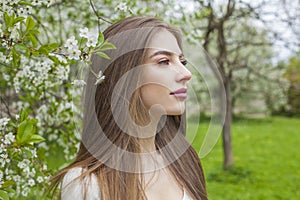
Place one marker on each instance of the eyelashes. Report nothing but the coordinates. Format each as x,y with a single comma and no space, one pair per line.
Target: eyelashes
184,62
167,62
164,62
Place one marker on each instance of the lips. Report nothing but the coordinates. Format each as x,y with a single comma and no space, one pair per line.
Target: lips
180,93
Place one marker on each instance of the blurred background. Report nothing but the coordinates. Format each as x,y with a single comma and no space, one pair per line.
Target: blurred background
254,44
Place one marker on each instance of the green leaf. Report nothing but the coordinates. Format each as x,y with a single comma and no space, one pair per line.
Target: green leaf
103,55
34,32
25,3
23,115
30,24
53,46
106,46
16,57
18,19
43,50
21,47
55,60
100,38
7,184
46,48
36,138
4,195
26,130
9,190
8,19
33,40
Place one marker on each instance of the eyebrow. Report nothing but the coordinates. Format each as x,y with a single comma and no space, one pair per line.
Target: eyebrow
167,53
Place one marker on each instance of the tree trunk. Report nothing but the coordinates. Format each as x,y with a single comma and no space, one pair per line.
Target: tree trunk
227,147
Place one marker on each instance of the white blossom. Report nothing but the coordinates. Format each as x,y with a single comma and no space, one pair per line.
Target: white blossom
62,72
84,32
5,59
92,41
21,165
17,179
72,48
44,167
14,34
122,6
3,122
31,182
39,179
100,77
4,159
24,164
51,2
6,77
61,58
17,84
25,191
24,12
13,2
74,54
79,83
1,32
6,6
2,148
37,2
71,43
2,162
9,138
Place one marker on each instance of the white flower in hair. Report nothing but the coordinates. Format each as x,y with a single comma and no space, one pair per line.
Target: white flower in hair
92,40
99,78
74,54
71,43
83,32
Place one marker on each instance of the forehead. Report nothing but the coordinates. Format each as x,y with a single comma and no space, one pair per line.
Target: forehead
164,40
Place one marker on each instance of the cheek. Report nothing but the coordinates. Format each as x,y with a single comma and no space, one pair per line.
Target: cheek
157,83
158,78
154,94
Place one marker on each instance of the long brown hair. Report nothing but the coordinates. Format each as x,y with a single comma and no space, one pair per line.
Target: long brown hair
96,154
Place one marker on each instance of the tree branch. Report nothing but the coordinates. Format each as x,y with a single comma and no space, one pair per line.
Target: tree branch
98,16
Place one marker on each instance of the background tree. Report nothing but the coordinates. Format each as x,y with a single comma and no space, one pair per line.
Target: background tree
293,75
243,51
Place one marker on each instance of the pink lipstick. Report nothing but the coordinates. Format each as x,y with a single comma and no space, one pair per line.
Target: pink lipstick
180,93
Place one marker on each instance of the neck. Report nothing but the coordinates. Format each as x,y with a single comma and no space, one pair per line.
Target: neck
147,139
147,144
148,133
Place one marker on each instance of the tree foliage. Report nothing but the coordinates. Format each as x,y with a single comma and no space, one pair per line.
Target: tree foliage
293,75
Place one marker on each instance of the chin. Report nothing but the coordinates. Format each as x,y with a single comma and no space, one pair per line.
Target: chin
177,111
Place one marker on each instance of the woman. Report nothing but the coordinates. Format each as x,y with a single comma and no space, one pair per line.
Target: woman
133,144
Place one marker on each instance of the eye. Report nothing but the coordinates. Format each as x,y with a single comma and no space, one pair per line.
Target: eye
184,62
164,62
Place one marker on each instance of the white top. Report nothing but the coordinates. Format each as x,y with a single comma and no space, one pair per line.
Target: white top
75,190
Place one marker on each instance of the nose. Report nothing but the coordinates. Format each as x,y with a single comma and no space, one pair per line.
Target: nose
183,74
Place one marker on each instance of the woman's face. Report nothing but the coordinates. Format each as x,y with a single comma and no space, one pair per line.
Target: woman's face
165,76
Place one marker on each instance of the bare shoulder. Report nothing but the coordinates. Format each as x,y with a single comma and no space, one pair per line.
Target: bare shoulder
73,187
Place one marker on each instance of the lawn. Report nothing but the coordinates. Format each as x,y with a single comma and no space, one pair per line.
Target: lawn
266,160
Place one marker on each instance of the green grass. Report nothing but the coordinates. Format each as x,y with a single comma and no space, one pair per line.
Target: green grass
266,160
